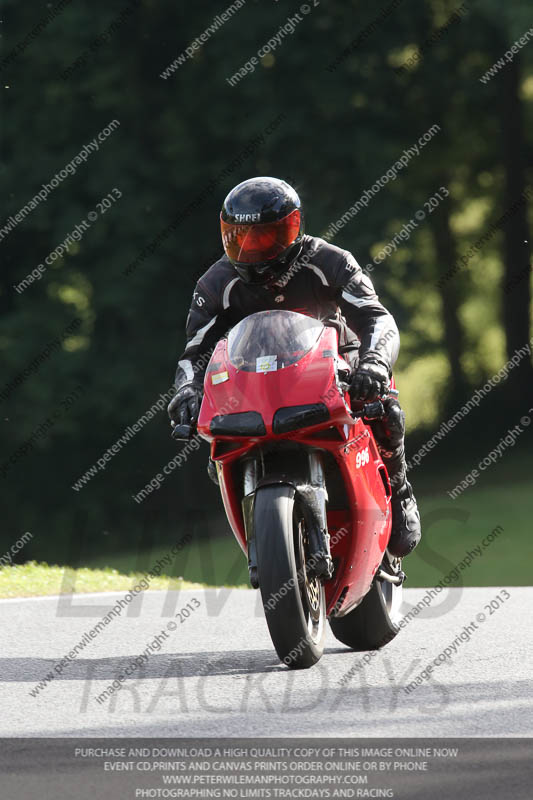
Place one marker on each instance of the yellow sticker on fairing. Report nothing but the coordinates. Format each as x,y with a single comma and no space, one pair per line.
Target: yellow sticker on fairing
266,364
219,377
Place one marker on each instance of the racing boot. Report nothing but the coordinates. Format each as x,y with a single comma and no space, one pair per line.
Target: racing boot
406,530
389,434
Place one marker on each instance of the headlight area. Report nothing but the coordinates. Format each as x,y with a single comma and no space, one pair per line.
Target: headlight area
293,418
244,423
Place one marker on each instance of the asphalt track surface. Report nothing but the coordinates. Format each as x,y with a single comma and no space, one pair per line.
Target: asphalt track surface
217,673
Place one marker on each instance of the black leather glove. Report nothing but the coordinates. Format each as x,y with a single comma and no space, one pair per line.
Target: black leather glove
370,380
184,407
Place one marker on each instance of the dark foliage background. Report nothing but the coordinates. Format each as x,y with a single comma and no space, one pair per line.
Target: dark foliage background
338,131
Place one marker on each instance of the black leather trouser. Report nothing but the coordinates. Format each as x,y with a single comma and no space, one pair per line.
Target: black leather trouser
389,433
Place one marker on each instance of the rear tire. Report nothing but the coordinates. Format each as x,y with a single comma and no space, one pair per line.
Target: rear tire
295,605
374,623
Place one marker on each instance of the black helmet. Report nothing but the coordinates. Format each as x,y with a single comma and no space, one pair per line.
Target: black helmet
262,228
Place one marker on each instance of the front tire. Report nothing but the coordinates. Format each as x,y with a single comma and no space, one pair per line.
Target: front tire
294,604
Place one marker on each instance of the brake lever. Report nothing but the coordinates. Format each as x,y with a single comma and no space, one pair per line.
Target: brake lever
370,411
375,409
183,433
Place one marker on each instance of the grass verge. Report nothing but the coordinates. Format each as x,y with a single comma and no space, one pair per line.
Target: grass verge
37,580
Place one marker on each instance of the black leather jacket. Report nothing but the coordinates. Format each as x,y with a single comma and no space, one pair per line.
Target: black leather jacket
322,280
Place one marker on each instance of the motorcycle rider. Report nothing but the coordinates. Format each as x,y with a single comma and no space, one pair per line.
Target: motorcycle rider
269,262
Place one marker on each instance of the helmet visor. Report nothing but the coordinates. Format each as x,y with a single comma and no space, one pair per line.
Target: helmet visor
259,241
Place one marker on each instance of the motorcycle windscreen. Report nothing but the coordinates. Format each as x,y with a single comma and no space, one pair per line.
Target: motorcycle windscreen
272,340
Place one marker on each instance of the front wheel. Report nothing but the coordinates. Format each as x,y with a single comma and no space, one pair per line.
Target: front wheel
294,603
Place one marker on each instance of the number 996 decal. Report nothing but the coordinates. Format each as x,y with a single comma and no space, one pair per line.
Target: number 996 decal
362,458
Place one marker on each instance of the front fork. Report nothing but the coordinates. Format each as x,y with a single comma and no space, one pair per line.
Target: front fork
250,478
313,497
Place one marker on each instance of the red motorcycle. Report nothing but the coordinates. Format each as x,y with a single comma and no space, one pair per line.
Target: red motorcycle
304,488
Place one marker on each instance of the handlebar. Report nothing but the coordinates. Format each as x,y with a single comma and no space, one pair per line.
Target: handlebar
369,411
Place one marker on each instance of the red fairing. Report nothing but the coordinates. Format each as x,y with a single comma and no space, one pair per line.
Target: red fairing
360,526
